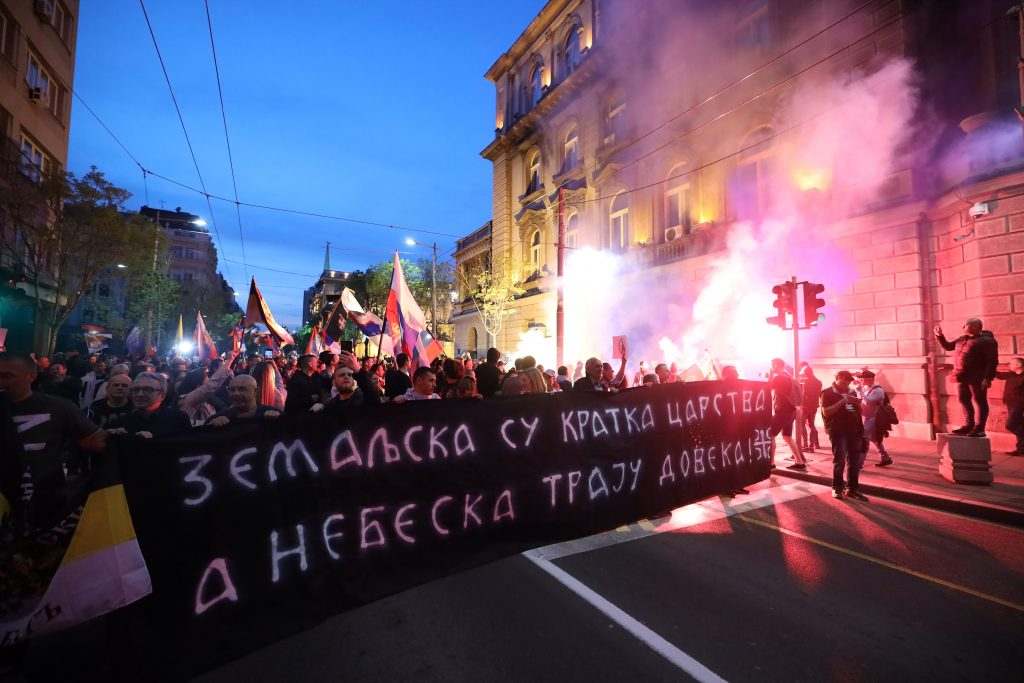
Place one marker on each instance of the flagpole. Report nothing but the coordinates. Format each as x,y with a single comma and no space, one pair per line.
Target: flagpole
383,328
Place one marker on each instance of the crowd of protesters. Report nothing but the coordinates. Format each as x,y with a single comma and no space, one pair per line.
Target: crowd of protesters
65,406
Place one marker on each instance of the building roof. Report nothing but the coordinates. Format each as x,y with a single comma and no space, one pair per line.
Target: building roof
481,233
178,219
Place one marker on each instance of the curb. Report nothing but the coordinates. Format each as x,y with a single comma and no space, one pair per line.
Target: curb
983,511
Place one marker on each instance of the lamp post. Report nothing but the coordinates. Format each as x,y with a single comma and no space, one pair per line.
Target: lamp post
433,282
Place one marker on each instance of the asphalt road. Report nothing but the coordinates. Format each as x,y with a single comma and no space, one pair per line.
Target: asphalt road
785,584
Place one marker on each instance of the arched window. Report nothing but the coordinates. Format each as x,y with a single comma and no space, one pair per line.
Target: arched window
614,120
572,235
535,251
571,150
618,223
533,172
536,85
473,341
571,50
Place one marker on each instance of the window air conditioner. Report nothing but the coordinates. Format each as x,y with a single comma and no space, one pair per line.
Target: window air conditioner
671,234
43,8
35,94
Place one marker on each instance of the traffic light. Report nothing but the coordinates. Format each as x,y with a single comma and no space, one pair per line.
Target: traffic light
812,303
784,304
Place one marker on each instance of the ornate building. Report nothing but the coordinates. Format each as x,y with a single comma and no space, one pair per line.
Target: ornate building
322,296
655,128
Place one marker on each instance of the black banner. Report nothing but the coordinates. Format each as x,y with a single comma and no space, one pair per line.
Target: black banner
255,532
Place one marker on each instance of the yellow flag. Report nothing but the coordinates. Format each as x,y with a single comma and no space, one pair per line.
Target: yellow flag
181,333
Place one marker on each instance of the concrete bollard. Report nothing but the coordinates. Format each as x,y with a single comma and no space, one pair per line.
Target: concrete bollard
964,459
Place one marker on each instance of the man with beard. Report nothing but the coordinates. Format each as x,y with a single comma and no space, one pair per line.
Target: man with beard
149,418
347,394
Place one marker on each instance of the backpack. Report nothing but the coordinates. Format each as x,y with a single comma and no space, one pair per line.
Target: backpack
886,415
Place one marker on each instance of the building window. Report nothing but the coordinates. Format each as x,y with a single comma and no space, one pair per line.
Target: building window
570,150
103,289
749,185
677,212
474,341
536,85
533,173
7,33
618,223
38,80
62,22
177,252
535,247
34,162
510,106
572,236
187,277
614,121
571,51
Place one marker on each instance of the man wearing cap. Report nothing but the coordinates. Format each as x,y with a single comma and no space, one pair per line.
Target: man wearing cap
974,368
872,397
840,407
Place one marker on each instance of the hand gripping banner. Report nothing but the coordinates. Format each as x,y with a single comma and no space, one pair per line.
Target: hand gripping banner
254,532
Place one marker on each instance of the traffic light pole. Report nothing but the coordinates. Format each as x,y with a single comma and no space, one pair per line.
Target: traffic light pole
796,371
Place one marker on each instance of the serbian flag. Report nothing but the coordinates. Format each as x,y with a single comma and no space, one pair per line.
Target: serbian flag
257,311
405,319
368,323
205,348
315,345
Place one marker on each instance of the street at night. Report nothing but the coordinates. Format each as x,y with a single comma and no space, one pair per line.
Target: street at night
786,584
511,340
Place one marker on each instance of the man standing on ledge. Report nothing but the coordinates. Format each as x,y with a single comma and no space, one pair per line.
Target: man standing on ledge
974,367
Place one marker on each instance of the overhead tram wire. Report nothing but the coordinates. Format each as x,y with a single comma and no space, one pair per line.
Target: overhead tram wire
227,138
184,129
301,212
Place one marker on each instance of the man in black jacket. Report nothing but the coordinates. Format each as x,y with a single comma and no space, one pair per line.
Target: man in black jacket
396,380
1013,399
974,368
305,387
488,376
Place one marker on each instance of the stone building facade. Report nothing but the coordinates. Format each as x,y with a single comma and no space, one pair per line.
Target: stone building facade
657,124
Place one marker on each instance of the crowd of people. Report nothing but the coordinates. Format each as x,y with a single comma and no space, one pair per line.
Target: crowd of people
65,406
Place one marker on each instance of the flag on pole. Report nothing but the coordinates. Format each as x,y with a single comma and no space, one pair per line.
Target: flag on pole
368,323
205,348
315,345
257,311
133,343
180,336
405,319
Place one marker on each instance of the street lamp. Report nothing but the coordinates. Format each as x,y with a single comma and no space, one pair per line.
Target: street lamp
433,282
200,222
121,265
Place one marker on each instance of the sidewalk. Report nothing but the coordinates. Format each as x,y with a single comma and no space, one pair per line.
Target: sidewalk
914,478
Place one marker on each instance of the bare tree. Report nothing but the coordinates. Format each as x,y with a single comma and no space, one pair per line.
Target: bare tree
492,290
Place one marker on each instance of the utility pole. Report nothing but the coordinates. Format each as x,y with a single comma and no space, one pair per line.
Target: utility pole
433,290
796,367
560,305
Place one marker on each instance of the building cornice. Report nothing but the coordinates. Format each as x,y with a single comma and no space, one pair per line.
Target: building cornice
527,38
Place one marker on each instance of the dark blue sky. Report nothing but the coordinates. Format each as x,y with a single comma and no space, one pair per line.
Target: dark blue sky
373,110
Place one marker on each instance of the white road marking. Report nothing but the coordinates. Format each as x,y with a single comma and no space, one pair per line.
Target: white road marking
651,639
683,517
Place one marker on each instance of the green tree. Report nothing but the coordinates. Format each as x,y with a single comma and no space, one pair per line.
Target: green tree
62,233
153,304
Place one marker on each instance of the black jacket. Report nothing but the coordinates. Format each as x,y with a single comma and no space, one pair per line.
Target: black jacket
488,379
303,391
975,358
396,383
